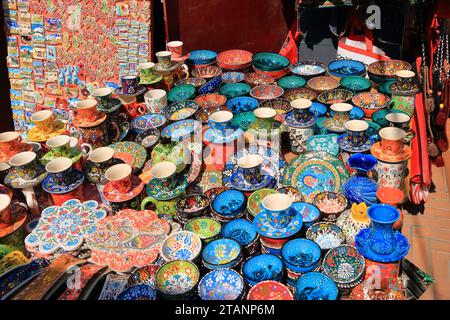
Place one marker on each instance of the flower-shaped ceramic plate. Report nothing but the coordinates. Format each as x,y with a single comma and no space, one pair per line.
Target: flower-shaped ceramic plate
134,149
183,245
222,284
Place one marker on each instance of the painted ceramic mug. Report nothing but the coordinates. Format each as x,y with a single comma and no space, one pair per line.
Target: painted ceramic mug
120,176
44,121
5,210
87,110
298,138
301,110
61,170
404,104
405,79
161,207
392,140
155,100
341,113
165,173
176,47
265,118
401,120
104,97
251,165
26,165
95,136
146,71
59,146
10,144
277,207
100,160
357,132
164,58
390,174
220,120
130,84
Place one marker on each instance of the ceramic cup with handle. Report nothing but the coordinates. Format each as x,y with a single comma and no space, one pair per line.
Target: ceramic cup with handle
130,84
220,120
87,110
26,165
59,145
10,144
405,79
146,71
392,140
277,207
60,169
176,48
165,173
265,117
357,132
301,110
155,100
164,58
341,113
44,121
104,97
251,166
120,176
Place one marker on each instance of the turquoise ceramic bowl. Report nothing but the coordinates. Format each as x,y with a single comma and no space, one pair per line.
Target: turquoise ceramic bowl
291,82
268,61
356,84
181,93
233,90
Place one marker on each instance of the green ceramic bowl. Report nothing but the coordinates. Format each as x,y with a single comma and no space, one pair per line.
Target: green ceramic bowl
356,84
291,82
268,61
177,279
233,90
207,229
181,93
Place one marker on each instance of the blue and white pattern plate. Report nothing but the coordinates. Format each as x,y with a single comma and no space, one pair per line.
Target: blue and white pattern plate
51,187
346,145
139,292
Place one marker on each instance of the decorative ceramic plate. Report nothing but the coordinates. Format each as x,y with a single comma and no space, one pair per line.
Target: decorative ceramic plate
266,229
217,137
82,123
204,227
139,292
314,172
156,190
326,234
34,135
131,148
74,155
254,200
240,230
326,142
221,252
181,129
51,187
211,86
112,195
346,145
222,284
13,180
177,277
148,121
381,155
292,122
261,268
183,245
270,290
315,286
238,182
65,227
344,265
180,110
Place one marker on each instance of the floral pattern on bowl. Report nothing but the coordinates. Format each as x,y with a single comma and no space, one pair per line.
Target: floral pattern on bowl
335,96
222,284
206,72
300,93
221,252
266,92
177,278
180,110
211,100
261,268
256,79
240,230
183,245
323,83
204,227
326,234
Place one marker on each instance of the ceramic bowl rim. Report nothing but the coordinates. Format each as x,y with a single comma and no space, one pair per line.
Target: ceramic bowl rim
222,270
172,235
239,255
177,262
214,221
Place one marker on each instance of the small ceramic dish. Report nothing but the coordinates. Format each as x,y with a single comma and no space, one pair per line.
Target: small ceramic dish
196,82
261,268
240,230
370,102
211,86
206,72
266,92
200,57
356,84
148,138
206,228
331,204
234,59
335,96
242,104
221,253
270,290
308,69
192,206
222,284
203,114
301,255
323,83
229,204
291,82
180,110
326,234
183,245
232,77
211,100
233,90
181,93
255,79
177,279
346,68
309,212
315,286
300,93
268,61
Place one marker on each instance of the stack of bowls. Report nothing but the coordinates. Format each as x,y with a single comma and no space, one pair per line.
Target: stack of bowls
228,205
222,254
177,280
244,232
261,268
270,64
201,58
272,246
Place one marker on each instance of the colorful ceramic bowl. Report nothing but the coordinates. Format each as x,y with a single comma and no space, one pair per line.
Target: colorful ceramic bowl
232,77
309,212
145,275
300,93
370,102
148,138
207,229
229,204
295,195
266,92
254,200
344,265
308,69
282,106
177,279
242,104
331,204
196,82
211,100
326,234
183,245
148,121
261,268
255,79
138,292
234,59
335,96
221,253
181,93
180,110
200,57
270,290
274,74
211,86
268,61
323,83
346,68
206,72
356,84
315,286
203,114
387,69
192,206
233,90
291,82
301,255
222,284
240,230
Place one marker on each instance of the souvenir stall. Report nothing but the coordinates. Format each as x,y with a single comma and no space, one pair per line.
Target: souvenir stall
230,175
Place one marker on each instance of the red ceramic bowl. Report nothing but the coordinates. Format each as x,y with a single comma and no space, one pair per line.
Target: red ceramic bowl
211,100
370,102
266,92
234,59
269,290
255,79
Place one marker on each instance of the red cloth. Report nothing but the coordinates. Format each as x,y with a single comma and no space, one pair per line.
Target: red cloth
290,45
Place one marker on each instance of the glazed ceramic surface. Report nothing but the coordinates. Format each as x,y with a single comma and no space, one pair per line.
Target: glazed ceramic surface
139,292
335,96
148,121
315,286
229,203
300,93
181,129
221,252
205,228
344,265
177,278
266,92
353,220
111,194
356,84
256,79
327,143
206,72
223,284
391,174
269,61
370,102
346,68
181,93
261,268
234,59
301,255
269,290
308,69
196,82
72,180
123,150
233,90
265,228
327,235
323,83
181,110
199,57
240,230
211,86
232,77
182,245
291,82
254,200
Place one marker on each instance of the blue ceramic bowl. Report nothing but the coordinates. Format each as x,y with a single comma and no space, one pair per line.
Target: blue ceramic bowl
233,90
346,68
261,268
310,213
291,82
211,86
315,286
362,162
318,109
201,57
268,61
223,284
232,77
242,104
301,255
139,292
229,203
240,230
148,121
356,84
221,252
181,93
308,69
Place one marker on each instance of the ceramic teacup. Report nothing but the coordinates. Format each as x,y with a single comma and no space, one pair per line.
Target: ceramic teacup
5,210
87,110
176,47
161,207
165,173
155,100
99,160
220,120
60,169
59,145
10,144
405,79
133,108
120,176
265,118
146,70
104,97
301,110
357,132
130,84
164,58
37,148
43,120
341,113
251,165
398,119
277,207
26,165
392,140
